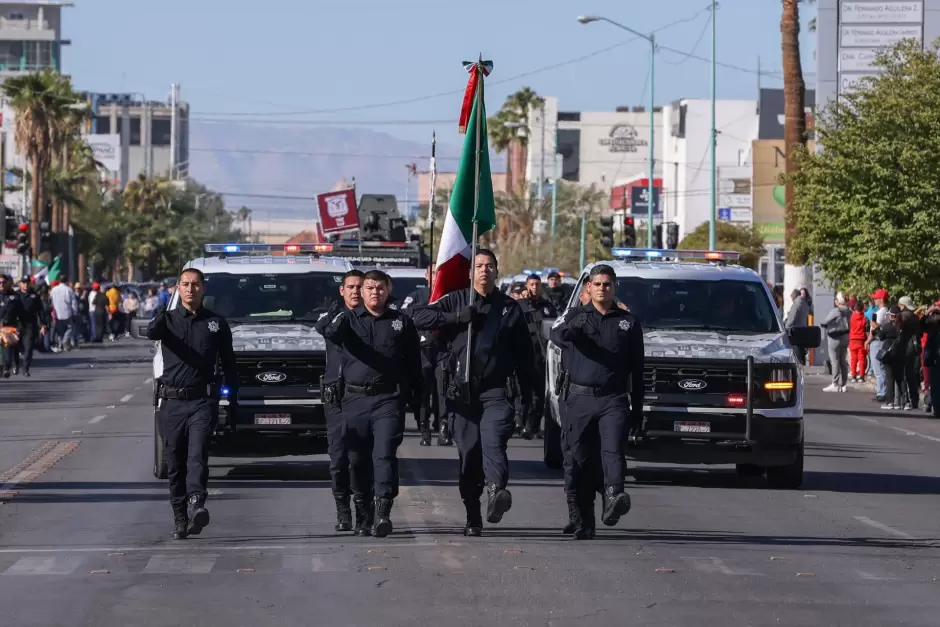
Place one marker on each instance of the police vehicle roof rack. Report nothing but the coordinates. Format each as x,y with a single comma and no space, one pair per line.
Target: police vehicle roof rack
721,257
232,249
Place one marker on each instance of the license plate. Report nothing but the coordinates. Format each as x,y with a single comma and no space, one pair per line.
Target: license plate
692,427
272,419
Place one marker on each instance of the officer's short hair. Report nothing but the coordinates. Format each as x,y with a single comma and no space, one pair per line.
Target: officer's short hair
196,271
554,275
489,253
602,269
378,275
533,277
359,274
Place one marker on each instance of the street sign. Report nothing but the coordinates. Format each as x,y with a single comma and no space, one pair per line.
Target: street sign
724,213
639,200
539,226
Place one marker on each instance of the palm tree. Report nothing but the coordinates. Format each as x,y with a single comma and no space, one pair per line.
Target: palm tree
797,272
41,102
508,130
148,203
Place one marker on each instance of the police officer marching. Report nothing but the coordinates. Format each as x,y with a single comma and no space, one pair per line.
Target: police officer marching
380,366
603,348
350,291
483,422
193,341
431,407
539,309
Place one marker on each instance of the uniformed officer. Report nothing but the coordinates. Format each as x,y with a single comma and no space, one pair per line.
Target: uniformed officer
604,346
381,366
193,341
350,292
429,419
539,310
518,293
34,325
12,316
483,421
557,292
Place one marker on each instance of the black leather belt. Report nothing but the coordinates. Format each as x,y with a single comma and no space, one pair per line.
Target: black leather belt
606,390
185,394
372,389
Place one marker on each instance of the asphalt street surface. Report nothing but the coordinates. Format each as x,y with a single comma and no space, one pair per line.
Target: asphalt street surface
84,529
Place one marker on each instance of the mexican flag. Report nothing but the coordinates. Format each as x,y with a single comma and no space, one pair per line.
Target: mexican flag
453,255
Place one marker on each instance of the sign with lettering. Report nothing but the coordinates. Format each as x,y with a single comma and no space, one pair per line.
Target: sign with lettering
624,138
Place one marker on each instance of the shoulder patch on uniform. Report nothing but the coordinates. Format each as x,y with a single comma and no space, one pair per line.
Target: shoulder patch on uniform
505,310
625,325
407,302
393,306
214,326
396,324
560,321
322,316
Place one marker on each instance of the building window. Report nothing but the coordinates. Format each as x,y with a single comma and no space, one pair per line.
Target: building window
779,262
160,131
18,17
39,54
11,55
103,125
569,147
135,130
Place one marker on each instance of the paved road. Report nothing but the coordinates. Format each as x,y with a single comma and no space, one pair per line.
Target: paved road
84,528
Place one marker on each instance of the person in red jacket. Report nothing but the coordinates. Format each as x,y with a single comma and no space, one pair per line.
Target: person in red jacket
858,332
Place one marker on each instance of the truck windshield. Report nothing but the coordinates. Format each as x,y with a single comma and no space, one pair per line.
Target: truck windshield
404,285
271,297
729,306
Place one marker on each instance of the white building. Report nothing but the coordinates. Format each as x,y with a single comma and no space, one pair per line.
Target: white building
687,160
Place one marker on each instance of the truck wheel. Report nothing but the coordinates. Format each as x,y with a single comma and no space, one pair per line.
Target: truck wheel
551,444
159,449
787,477
749,470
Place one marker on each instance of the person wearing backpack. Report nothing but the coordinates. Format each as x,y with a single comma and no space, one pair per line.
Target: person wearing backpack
859,328
836,325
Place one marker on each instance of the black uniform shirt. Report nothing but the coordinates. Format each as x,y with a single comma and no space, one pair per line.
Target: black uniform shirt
608,351
501,344
558,296
331,373
33,309
379,349
12,313
191,344
430,342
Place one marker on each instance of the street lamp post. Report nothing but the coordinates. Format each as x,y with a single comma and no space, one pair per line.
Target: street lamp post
587,19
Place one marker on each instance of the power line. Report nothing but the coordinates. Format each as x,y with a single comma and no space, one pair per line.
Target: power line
452,92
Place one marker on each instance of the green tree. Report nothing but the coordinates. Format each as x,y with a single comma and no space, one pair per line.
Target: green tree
867,204
743,239
509,127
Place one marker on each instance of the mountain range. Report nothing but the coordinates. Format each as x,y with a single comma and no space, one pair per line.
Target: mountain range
263,160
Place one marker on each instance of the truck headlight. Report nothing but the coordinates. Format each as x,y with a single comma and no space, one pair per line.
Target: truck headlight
780,385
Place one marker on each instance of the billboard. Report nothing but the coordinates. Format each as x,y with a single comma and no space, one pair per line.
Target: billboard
107,151
767,194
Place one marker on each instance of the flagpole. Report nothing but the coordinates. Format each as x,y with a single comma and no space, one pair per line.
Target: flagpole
478,101
433,171
358,217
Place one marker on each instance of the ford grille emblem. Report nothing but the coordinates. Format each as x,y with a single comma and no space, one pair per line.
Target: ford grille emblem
271,377
692,384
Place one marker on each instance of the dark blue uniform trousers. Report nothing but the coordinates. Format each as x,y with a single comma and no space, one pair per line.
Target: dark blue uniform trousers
482,429
593,431
430,402
373,429
187,428
336,447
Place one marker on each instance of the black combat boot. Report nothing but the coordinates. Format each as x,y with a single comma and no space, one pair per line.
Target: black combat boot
425,428
364,515
574,515
499,501
445,439
383,522
587,525
616,504
180,521
198,514
474,526
343,514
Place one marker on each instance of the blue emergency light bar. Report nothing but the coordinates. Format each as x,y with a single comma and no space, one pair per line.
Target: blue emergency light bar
654,253
268,248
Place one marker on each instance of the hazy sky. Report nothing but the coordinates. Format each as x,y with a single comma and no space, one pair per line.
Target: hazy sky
340,61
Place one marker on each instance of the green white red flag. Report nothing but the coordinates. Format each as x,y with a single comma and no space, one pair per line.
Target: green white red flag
453,257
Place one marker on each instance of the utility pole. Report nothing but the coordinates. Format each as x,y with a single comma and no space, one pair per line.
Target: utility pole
542,160
712,207
174,130
554,183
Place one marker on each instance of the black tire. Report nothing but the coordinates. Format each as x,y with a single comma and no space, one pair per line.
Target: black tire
159,449
787,477
551,444
749,470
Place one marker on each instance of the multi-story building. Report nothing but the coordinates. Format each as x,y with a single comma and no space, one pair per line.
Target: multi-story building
31,36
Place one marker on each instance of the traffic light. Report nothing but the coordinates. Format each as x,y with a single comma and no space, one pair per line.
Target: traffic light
658,236
9,224
629,232
672,236
45,236
607,231
22,239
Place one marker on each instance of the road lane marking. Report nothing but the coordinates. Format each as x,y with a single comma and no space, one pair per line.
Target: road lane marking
180,564
872,577
898,429
883,527
97,419
126,398
43,566
716,565
168,548
41,460
148,380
